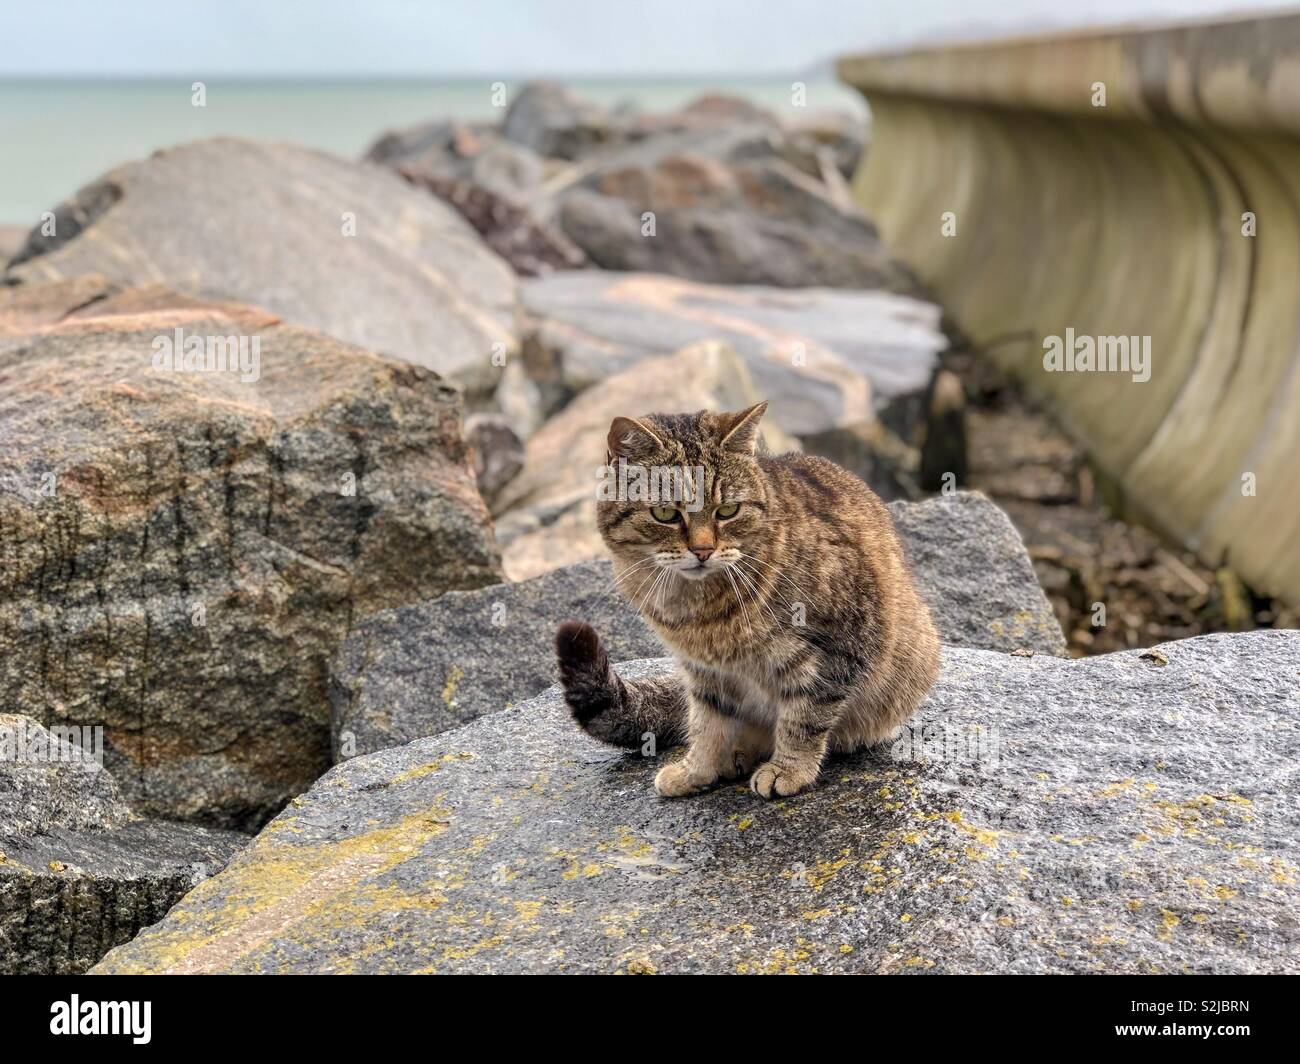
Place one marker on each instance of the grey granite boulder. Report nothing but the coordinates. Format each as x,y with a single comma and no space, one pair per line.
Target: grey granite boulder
551,121
452,151
427,667
79,873
531,248
756,220
431,666
972,567
347,248
185,547
1135,812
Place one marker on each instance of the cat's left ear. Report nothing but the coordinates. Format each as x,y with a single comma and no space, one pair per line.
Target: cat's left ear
738,432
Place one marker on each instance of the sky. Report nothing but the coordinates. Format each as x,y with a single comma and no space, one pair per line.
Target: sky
514,38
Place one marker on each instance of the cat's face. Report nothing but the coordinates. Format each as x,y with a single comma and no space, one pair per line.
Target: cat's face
685,499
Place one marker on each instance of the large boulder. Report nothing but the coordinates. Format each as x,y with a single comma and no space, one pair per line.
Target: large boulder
185,549
550,120
531,248
723,209
430,666
547,514
829,358
1135,812
347,248
79,873
971,566
424,668
452,151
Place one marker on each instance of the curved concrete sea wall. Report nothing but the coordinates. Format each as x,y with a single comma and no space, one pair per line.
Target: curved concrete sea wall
1129,184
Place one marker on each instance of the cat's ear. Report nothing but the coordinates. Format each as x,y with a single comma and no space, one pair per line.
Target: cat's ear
738,432
632,439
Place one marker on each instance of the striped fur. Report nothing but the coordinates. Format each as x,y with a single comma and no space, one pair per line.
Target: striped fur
800,632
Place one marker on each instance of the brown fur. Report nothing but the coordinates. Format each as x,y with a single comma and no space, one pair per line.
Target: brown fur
800,633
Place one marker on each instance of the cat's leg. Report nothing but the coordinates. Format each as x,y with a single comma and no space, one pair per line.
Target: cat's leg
710,754
803,730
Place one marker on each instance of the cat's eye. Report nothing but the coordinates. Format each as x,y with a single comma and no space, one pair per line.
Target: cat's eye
728,511
665,514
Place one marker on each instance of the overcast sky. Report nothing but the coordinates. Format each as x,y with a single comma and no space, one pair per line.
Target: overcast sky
510,38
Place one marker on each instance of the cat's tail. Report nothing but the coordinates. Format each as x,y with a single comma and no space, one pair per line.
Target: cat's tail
608,708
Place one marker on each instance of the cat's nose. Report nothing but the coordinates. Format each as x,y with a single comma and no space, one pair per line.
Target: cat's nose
703,553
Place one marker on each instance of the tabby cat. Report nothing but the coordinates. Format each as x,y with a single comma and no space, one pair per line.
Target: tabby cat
783,596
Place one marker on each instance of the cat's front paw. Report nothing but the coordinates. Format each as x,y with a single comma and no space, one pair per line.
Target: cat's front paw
678,780
777,781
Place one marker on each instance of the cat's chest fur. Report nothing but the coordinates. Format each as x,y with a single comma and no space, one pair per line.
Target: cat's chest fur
745,688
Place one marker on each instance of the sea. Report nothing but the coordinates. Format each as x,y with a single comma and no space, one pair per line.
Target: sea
58,134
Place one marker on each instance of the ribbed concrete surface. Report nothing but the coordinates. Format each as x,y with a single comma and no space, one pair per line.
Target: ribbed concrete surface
1123,220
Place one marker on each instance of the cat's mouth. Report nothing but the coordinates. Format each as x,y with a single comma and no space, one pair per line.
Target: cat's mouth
697,570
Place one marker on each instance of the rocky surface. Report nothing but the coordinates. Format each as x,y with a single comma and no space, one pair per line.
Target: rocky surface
183,551
531,248
1120,814
427,667
497,453
1149,591
79,873
270,224
756,221
552,121
831,358
971,566
424,668
546,514
453,151
718,191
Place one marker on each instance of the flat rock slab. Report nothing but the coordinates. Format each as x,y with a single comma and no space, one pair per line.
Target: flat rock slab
68,897
185,549
1111,814
828,358
424,668
267,224
79,872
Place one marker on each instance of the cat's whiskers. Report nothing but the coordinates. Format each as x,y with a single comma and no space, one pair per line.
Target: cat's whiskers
616,583
760,577
781,573
740,600
672,575
754,590
638,600
643,598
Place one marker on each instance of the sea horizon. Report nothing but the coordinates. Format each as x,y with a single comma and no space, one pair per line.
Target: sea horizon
63,131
